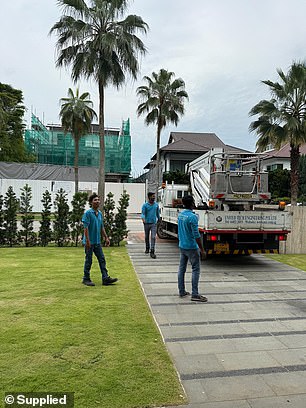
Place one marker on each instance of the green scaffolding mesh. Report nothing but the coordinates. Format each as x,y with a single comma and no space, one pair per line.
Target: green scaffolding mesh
52,146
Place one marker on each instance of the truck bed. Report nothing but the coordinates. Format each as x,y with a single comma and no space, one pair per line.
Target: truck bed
244,221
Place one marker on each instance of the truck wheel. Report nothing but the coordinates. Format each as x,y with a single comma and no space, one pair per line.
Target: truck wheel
160,233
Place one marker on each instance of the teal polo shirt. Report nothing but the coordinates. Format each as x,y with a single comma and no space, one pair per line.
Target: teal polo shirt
188,230
150,213
94,223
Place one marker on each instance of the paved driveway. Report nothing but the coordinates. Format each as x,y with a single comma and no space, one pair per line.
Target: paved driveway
245,348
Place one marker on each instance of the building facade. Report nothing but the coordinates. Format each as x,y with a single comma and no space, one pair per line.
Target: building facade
51,145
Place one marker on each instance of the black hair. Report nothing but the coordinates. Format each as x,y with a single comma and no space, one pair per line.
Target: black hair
188,201
91,197
150,194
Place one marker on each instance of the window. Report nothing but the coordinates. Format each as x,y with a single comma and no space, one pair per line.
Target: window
275,167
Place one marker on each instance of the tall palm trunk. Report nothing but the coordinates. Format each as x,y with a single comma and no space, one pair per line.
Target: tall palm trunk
76,164
157,159
294,174
101,184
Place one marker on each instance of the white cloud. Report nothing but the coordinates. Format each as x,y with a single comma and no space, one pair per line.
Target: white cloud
221,49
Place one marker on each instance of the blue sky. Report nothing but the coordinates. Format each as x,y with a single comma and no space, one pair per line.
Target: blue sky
221,49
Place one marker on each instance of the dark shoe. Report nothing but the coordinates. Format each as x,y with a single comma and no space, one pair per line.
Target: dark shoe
88,282
109,281
152,255
147,251
184,294
199,298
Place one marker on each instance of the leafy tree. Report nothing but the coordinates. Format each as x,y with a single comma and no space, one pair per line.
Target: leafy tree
279,183
98,45
162,100
109,216
120,230
45,232
76,115
61,218
27,234
78,207
11,125
282,119
177,176
10,217
2,230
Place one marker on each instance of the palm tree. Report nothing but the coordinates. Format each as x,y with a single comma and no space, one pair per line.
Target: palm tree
162,99
282,119
77,115
98,45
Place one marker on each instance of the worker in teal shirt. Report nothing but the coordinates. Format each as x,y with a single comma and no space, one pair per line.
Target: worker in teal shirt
150,215
93,227
190,245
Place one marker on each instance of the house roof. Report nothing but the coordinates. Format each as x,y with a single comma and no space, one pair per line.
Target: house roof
208,140
194,143
283,152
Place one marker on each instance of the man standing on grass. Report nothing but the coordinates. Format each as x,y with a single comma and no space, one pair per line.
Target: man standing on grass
191,247
93,227
150,214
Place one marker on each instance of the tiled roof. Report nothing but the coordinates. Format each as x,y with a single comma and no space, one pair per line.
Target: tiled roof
284,151
208,140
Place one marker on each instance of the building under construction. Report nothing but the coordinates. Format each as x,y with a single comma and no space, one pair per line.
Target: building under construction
51,145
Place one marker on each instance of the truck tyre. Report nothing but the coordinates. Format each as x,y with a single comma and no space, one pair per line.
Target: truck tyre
160,233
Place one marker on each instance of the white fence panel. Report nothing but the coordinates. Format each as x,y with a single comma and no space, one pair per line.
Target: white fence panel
135,190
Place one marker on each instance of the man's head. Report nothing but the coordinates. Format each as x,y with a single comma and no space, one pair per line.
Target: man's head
151,197
94,200
188,202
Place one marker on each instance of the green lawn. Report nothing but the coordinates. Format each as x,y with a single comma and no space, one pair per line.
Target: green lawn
297,261
99,342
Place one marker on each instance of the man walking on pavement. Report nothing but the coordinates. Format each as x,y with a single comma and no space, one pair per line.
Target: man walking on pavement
150,214
191,248
93,227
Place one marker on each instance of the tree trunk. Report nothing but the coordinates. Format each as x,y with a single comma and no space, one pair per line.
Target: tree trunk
157,159
76,164
294,163
101,184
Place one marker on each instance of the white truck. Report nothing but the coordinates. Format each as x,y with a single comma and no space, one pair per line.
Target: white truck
232,204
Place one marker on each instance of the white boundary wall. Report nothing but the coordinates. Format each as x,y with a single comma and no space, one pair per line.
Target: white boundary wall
135,190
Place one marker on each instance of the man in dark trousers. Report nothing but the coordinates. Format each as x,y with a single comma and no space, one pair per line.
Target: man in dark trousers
190,248
93,227
150,214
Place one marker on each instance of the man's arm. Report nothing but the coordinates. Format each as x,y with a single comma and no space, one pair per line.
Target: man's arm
199,242
87,240
106,239
196,234
143,215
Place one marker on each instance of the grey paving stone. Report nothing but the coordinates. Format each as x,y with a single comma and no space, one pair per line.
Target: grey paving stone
286,383
289,357
180,331
293,341
287,401
193,364
258,327
195,391
220,329
260,343
247,360
235,388
222,404
208,346
295,324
